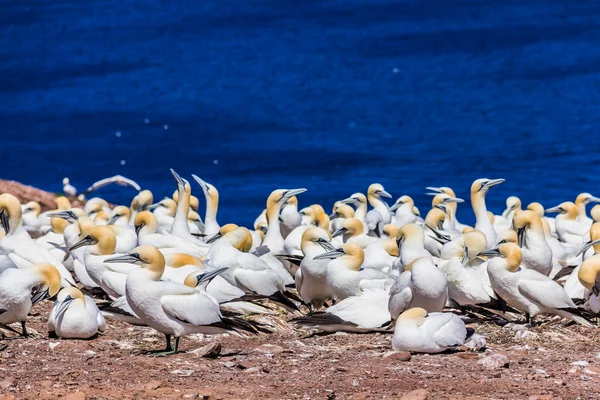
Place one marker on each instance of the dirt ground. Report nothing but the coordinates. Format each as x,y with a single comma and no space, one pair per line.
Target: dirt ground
550,361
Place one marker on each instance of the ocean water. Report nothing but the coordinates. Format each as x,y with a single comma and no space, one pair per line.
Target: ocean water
331,95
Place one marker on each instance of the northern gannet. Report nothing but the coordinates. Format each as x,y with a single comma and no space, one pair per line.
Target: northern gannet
273,239
504,221
68,189
22,288
344,274
449,204
589,277
75,316
537,254
31,218
452,221
421,284
374,195
17,243
359,201
422,332
526,289
290,217
340,212
118,179
211,195
479,189
405,213
352,232
411,245
580,202
568,228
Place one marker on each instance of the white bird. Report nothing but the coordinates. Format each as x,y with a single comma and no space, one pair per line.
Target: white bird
537,254
421,284
340,212
374,195
274,239
170,308
118,179
344,274
573,285
68,189
290,217
589,276
568,228
20,289
580,202
17,243
411,245
75,316
479,189
211,194
310,278
405,212
352,232
32,219
381,254
359,201
526,289
504,221
422,332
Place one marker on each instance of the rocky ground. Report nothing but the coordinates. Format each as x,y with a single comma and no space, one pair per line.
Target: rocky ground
550,361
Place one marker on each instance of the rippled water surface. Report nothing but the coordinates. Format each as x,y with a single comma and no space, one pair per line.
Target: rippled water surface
328,95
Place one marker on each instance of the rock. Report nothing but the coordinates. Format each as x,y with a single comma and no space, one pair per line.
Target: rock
8,382
75,396
7,397
243,366
211,350
52,345
494,361
46,384
541,397
419,394
580,363
182,372
341,369
592,371
524,334
268,349
539,371
229,364
252,370
153,385
398,355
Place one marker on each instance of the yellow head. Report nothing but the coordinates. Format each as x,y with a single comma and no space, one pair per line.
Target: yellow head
10,212
62,203
142,200
512,253
350,226
50,277
148,257
414,315
475,242
118,213
567,209
101,239
588,274
71,292
595,213
390,231
58,224
315,236
409,232
435,218
508,236
536,208
145,219
32,207
178,260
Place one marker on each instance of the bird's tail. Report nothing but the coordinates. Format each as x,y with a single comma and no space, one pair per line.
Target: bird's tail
576,315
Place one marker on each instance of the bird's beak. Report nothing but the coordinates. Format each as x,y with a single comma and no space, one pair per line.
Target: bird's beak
68,214
293,192
325,245
556,209
153,206
138,228
202,184
395,206
348,200
433,189
178,179
453,200
199,224
125,258
339,232
4,221
441,206
383,193
113,219
521,236
465,258
334,215
595,199
86,241
439,237
64,306
210,275
494,182
586,246
490,253
330,255
39,296
215,238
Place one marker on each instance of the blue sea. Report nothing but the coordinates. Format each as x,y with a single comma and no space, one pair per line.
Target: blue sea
331,95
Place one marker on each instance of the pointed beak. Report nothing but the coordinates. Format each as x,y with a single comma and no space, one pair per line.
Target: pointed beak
453,200
113,219
126,258
199,224
215,238
64,306
595,199
4,221
465,258
395,206
442,207
39,296
521,236
439,237
339,232
586,246
334,215
330,255
435,190
383,193
348,200
138,228
556,209
490,253
68,215
178,179
86,241
293,192
153,206
210,275
202,184
494,182
325,245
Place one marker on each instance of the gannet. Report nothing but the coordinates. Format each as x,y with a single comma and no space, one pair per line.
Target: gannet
340,212
194,202
22,288
404,211
390,231
411,245
468,281
374,195
452,221
68,189
526,289
580,202
75,316
537,254
310,278
573,285
589,277
164,211
504,221
359,201
17,243
422,332
273,239
449,204
90,205
211,194
352,232
118,179
344,274
435,237
479,189
381,254
568,228
31,218
421,284
170,308
290,217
